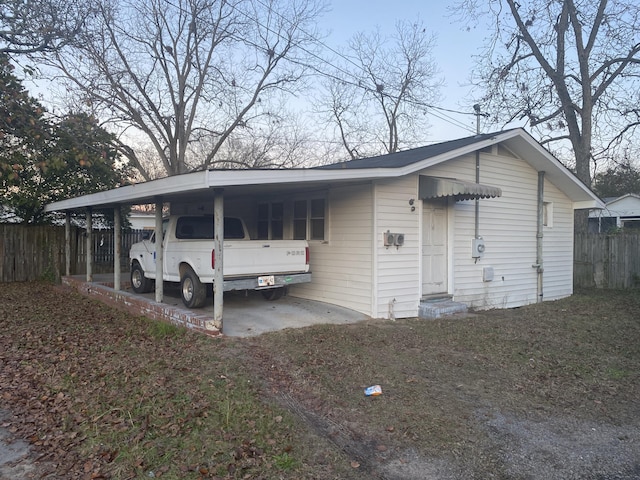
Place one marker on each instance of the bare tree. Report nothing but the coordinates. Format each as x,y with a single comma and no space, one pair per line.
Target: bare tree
571,68
28,26
185,72
377,101
277,141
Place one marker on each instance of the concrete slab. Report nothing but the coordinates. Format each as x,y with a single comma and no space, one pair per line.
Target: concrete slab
248,313
15,460
431,310
245,313
252,315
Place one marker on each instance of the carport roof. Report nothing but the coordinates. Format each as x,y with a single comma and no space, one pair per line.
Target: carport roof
259,181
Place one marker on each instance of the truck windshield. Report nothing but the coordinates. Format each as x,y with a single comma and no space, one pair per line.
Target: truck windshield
201,228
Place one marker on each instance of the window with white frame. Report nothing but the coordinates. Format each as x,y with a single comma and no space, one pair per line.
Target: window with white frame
309,219
270,221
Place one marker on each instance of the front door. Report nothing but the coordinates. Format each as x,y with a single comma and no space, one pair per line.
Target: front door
434,248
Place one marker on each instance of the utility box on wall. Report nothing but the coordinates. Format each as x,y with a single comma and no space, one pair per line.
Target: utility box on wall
393,239
487,274
477,248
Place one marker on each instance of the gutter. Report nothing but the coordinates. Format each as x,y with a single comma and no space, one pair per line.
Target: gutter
539,265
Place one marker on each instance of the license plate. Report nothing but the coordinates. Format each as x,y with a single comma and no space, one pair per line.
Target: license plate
266,281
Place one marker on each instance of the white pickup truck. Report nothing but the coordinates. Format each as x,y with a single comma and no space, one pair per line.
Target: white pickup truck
189,258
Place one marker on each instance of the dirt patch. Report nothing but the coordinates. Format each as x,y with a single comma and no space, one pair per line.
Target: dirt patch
548,391
564,447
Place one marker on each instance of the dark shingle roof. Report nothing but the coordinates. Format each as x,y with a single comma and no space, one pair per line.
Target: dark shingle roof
408,157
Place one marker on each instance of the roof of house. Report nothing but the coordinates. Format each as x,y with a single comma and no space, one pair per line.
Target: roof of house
627,205
626,196
409,157
237,183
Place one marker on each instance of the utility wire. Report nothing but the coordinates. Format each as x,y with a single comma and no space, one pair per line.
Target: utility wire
356,82
341,55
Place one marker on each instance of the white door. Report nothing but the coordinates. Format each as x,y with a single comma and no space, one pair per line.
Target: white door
434,248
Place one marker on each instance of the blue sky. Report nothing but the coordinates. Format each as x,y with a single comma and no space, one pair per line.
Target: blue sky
453,52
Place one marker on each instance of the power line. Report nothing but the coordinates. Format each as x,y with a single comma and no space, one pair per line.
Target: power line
356,82
341,55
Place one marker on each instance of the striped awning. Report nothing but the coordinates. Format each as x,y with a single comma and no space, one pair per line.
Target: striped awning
440,187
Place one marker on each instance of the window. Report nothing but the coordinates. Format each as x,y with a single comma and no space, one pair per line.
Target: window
300,220
165,225
270,221
317,220
201,228
309,219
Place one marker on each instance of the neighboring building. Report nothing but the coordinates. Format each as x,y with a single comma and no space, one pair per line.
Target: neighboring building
387,231
619,213
142,220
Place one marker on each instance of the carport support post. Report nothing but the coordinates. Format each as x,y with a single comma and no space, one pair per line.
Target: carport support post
218,248
159,252
116,248
67,243
89,245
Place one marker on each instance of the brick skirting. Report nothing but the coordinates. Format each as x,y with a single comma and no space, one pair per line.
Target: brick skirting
139,305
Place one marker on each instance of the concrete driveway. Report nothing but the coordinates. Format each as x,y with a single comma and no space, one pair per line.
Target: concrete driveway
248,314
245,313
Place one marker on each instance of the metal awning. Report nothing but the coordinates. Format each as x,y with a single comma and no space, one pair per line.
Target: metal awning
440,187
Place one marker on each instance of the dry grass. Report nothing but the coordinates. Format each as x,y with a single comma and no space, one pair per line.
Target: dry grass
103,395
108,395
578,357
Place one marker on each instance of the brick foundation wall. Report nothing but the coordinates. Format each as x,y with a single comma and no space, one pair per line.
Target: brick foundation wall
138,305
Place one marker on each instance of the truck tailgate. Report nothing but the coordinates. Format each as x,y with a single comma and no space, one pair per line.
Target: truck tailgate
257,257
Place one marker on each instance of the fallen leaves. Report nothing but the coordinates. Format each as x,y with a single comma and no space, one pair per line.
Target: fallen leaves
99,396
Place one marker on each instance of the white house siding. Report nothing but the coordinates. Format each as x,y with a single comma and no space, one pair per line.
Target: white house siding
342,265
398,281
558,246
508,225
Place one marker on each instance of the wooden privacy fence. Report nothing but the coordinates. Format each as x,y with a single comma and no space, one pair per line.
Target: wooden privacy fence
38,252
31,252
607,261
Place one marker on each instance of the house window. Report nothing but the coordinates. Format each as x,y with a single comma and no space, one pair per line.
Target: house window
309,219
270,221
547,214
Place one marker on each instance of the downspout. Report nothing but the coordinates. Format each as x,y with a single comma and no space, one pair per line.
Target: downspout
539,266
477,219
476,107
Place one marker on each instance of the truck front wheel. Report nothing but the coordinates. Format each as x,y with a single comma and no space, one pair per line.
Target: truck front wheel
193,292
140,283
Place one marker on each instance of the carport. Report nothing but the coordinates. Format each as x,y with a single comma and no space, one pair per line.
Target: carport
211,187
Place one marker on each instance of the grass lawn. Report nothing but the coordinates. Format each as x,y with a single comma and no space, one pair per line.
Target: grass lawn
101,394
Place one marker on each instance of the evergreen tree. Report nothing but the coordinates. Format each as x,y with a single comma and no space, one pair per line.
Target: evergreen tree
42,160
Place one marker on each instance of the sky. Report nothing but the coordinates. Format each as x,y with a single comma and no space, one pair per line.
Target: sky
454,48
453,52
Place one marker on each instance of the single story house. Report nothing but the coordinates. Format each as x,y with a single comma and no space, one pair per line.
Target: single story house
618,213
486,221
